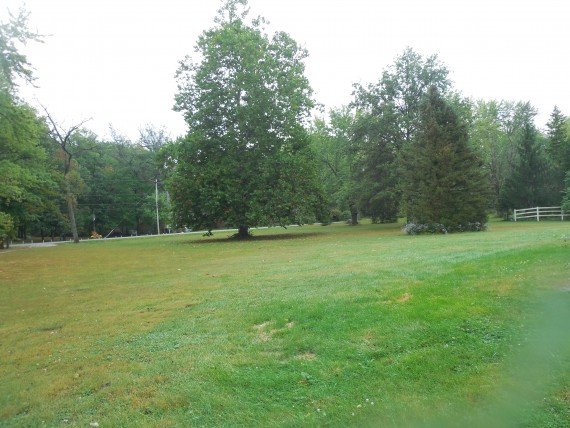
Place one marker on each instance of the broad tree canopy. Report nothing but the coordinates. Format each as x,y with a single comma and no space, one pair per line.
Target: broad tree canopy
246,160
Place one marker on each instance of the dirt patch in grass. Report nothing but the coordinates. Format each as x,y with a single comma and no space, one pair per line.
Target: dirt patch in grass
306,356
265,334
262,334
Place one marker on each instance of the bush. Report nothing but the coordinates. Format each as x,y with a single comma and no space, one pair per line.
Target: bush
339,215
433,228
420,229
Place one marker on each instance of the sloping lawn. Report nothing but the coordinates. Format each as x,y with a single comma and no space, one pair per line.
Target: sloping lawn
312,326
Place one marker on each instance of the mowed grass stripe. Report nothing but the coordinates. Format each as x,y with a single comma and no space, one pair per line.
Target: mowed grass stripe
302,326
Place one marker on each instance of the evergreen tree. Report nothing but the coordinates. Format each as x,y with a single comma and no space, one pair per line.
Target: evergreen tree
558,146
375,169
527,185
443,181
386,120
566,198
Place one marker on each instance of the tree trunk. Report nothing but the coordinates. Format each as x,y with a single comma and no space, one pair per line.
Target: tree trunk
69,198
243,232
354,218
71,212
353,214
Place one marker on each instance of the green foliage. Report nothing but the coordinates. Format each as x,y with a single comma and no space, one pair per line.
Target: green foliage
335,154
498,131
488,134
443,181
13,63
20,148
387,119
400,91
566,198
27,182
558,147
526,186
558,137
246,160
6,229
119,180
375,169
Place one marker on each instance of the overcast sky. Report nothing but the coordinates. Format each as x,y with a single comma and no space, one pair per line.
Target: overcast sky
114,60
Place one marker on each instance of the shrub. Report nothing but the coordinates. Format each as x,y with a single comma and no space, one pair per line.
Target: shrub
412,228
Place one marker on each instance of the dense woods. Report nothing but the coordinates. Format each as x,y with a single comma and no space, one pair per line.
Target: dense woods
257,153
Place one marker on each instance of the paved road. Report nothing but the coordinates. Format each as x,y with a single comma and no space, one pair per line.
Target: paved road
51,244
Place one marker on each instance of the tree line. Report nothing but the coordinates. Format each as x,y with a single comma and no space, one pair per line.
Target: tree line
256,153
408,145
373,161
59,181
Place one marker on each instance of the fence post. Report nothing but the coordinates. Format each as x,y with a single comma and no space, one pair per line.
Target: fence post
515,211
537,214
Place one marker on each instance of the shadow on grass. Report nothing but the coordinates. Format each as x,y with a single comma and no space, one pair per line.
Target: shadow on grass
253,238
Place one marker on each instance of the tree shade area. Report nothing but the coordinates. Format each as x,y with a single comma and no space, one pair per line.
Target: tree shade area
258,152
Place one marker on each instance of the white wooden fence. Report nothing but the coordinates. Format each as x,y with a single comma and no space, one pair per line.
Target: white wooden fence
540,212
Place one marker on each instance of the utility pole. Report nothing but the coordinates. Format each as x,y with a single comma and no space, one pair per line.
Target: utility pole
156,196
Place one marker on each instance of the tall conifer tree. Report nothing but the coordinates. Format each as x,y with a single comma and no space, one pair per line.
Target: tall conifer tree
443,180
558,146
527,185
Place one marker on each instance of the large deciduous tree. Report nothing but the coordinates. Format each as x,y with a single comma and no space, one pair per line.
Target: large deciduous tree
246,160
67,140
22,159
443,181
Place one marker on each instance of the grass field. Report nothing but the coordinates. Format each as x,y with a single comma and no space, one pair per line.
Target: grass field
312,326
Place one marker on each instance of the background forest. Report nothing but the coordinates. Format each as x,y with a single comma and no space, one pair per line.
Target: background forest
61,179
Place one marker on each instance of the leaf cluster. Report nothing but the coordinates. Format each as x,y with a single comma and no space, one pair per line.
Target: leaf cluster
13,63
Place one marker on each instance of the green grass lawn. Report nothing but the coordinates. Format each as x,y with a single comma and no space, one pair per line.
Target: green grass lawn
312,326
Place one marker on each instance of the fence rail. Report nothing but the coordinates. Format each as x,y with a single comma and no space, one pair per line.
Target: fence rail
541,212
